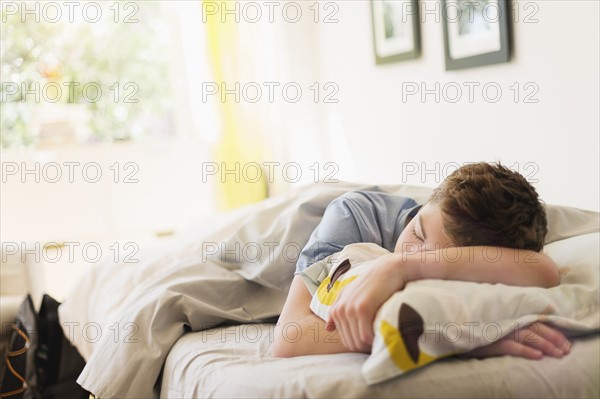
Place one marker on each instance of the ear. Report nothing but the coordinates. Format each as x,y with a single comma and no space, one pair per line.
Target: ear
410,325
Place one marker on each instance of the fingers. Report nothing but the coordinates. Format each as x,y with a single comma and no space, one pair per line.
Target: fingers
548,340
504,347
552,335
344,327
532,342
365,329
510,348
353,325
354,318
513,348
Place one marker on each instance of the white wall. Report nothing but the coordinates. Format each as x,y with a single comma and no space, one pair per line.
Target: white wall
554,141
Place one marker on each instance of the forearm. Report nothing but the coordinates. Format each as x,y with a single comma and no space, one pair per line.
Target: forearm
305,337
299,331
480,264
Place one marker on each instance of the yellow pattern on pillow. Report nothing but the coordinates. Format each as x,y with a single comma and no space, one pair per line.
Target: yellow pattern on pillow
432,319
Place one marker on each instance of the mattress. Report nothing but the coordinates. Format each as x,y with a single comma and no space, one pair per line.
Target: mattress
234,362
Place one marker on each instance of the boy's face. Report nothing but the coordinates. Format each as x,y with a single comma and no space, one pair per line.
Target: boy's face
425,231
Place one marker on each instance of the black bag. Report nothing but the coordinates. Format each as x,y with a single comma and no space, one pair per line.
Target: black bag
39,362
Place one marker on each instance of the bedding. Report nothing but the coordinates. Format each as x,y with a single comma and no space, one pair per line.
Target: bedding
203,283
234,361
432,319
229,362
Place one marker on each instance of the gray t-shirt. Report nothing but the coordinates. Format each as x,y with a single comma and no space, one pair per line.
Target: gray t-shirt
358,216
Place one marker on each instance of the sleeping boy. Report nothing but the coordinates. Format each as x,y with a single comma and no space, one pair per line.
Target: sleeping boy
478,209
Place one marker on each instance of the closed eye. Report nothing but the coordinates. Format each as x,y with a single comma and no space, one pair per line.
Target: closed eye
414,233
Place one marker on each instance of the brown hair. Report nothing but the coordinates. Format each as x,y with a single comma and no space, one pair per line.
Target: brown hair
488,204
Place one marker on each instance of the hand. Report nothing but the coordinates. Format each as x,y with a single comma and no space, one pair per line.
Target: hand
354,310
531,342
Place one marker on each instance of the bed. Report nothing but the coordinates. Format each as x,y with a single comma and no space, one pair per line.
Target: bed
198,321
235,363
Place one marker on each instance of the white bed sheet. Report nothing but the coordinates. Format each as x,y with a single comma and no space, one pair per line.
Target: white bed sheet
234,362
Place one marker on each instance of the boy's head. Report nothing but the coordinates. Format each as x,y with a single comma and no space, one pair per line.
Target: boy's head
488,204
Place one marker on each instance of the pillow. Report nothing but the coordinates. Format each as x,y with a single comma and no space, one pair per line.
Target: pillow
326,279
434,319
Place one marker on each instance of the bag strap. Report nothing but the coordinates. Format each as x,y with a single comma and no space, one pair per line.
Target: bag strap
9,368
19,376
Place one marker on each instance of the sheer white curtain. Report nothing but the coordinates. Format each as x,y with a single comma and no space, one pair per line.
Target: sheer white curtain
272,58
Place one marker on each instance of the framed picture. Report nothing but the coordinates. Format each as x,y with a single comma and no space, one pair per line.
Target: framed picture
395,30
475,32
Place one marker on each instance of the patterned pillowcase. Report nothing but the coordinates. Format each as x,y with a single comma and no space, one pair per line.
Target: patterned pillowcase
327,278
433,319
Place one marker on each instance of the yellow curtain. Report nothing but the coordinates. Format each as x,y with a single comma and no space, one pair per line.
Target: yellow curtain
239,147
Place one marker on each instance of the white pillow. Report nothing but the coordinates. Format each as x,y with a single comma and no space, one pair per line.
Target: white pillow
433,319
327,278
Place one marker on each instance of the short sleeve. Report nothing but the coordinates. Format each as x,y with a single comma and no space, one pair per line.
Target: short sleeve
315,274
357,216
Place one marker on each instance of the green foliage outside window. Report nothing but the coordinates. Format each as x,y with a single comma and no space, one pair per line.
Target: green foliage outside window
117,69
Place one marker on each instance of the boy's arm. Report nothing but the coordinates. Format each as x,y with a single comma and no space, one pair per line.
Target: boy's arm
483,264
301,332
354,311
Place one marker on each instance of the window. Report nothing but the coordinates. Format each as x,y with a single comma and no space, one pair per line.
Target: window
83,72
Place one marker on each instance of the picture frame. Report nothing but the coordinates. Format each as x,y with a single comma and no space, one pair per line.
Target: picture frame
475,33
396,35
